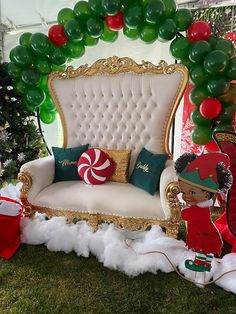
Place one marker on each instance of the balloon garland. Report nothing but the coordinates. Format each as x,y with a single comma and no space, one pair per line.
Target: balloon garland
211,61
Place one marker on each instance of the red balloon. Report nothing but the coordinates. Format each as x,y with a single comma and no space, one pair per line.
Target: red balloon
212,147
57,35
115,22
199,31
210,108
231,36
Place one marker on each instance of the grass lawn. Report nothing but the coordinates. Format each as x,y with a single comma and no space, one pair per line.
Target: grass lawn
36,280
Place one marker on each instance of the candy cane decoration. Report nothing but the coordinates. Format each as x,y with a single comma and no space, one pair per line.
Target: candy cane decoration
94,166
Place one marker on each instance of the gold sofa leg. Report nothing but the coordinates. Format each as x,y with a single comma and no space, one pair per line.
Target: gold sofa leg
173,230
172,227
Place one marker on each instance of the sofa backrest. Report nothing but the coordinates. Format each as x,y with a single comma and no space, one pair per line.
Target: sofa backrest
119,104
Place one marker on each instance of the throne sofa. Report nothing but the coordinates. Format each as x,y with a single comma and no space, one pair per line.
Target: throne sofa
114,104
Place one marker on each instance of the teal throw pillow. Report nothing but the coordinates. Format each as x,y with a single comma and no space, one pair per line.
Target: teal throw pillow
66,162
147,171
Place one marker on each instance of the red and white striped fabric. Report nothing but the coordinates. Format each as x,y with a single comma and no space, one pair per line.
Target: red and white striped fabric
94,166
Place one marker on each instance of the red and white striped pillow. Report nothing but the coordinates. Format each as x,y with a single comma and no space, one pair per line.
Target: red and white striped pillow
94,166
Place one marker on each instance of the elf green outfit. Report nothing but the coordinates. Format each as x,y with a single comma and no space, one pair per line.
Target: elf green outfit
202,235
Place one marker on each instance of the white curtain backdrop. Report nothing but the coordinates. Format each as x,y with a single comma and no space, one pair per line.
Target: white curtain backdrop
26,12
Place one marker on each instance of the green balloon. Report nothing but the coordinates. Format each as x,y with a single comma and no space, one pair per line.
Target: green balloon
58,56
212,41
170,7
65,15
11,54
188,63
197,119
131,33
30,77
43,65
82,10
148,32
154,12
133,16
40,44
183,19
75,49
228,114
111,7
25,39
94,27
142,2
231,69
109,35
216,62
43,84
224,127
198,76
201,135
89,41
167,30
127,3
35,96
198,94
58,67
21,56
198,51
218,85
13,71
226,46
48,104
73,30
179,48
20,88
44,108
28,107
47,117
96,7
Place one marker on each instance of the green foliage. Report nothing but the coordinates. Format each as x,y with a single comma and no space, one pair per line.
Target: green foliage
20,140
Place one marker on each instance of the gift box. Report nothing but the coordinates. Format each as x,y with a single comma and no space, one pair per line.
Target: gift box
10,235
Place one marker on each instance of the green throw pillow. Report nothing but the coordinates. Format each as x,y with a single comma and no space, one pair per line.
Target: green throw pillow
66,162
147,171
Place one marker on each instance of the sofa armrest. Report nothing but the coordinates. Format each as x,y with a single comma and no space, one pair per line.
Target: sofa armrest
169,189
35,176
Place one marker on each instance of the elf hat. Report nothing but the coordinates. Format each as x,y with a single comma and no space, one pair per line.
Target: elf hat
201,172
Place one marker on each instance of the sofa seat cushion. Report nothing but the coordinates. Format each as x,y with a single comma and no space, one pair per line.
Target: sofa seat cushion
115,198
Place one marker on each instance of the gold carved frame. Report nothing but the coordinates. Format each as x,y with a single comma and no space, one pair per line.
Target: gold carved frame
114,66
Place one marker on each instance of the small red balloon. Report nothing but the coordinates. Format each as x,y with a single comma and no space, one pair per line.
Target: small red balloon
230,36
210,108
57,35
199,31
115,22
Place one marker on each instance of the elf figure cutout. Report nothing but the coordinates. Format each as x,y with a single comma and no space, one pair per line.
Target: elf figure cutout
200,177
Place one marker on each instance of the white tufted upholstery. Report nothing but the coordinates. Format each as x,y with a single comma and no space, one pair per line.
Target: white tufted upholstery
121,111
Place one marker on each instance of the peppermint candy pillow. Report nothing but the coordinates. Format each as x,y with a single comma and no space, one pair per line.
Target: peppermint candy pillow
94,166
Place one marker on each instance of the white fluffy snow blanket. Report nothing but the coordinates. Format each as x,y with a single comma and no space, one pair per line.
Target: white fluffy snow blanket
130,252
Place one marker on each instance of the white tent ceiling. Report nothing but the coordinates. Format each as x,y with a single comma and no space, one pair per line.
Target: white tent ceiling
28,12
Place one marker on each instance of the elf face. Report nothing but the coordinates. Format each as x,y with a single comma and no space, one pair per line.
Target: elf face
191,194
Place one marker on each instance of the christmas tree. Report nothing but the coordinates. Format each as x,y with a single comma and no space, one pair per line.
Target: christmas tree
20,139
